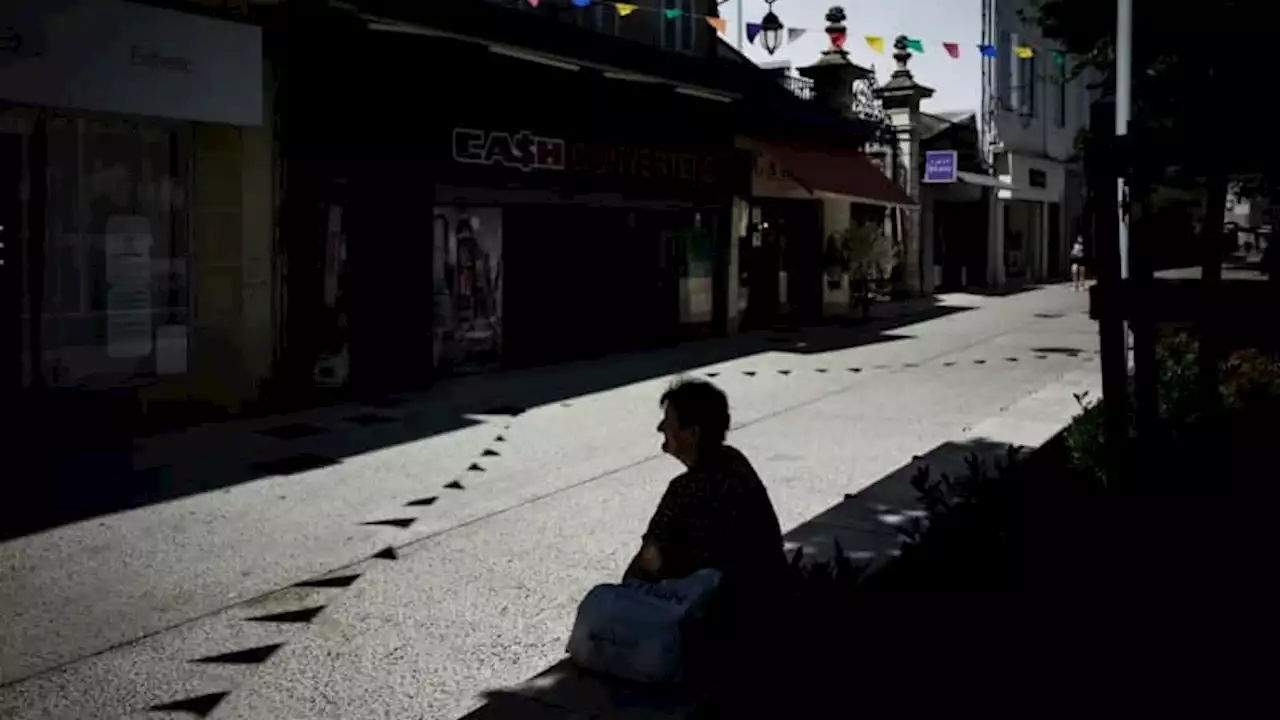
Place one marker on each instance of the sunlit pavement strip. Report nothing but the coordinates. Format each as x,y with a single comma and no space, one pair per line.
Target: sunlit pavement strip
485,574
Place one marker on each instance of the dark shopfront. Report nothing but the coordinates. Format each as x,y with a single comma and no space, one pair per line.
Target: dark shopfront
594,248
561,215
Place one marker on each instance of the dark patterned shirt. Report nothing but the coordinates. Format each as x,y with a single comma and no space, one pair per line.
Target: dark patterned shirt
718,515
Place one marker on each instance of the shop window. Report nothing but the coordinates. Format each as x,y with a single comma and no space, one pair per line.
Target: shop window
116,302
467,280
678,33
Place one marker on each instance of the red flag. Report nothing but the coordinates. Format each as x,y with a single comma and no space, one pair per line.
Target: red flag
838,40
953,49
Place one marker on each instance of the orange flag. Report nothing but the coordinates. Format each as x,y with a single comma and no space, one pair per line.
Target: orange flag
720,24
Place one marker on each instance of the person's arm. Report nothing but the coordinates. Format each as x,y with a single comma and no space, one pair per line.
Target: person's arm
660,551
646,565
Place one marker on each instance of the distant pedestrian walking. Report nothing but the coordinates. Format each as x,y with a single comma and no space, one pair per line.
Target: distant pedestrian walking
1077,264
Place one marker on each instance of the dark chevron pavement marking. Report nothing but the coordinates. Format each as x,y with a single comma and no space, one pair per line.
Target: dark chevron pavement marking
249,656
474,467
401,523
489,452
423,502
339,581
387,553
200,705
454,485
305,615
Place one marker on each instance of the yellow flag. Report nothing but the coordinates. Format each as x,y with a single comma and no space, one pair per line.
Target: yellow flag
875,42
625,9
1024,52
718,23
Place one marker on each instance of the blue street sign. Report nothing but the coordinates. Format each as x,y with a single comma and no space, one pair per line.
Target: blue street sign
940,166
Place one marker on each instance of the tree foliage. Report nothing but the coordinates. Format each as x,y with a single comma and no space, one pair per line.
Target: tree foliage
1196,75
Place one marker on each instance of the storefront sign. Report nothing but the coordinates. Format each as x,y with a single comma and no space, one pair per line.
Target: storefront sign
525,151
940,166
522,150
122,57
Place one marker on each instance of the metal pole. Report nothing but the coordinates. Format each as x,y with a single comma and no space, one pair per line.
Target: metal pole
1124,101
742,23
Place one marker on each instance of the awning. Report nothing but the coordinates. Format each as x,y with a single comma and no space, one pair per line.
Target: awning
983,180
835,173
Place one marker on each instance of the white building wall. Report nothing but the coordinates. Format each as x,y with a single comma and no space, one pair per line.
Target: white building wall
1027,92
1034,117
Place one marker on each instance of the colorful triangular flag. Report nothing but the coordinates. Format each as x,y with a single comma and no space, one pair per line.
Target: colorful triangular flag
987,50
534,3
720,24
625,9
672,13
875,42
838,39
753,30
794,34
1059,58
1024,52
953,49
581,3
915,45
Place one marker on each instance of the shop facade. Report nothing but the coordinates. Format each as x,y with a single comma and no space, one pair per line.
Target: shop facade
514,214
808,204
135,208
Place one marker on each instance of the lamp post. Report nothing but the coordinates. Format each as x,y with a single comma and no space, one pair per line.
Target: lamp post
771,30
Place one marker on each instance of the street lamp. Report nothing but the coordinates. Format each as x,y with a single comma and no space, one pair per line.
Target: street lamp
771,30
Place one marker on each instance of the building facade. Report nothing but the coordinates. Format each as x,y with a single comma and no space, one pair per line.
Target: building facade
1032,116
234,216
137,210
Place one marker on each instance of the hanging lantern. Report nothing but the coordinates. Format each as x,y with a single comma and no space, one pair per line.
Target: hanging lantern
771,30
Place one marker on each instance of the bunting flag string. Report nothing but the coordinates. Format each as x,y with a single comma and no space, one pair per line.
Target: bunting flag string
877,43
624,9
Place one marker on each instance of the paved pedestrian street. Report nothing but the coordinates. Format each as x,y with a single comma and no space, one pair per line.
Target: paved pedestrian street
396,560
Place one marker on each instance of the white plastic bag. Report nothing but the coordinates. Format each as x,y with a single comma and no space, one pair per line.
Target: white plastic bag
635,630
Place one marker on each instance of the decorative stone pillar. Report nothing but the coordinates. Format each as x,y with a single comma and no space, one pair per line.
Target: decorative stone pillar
901,97
834,74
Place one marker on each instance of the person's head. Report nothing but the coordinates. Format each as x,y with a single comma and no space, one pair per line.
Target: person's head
695,419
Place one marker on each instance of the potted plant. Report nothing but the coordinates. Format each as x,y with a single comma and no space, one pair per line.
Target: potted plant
869,257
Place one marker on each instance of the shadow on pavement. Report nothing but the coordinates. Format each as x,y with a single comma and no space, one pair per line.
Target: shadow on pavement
865,525
111,472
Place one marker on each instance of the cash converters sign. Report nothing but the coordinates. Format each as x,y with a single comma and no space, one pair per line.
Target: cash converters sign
527,152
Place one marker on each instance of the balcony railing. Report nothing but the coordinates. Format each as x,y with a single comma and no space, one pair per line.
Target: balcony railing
801,86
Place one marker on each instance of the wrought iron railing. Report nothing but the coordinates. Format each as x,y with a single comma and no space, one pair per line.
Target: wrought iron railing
801,86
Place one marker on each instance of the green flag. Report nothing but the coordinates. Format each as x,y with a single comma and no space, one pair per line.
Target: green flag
673,13
915,45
